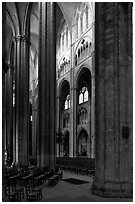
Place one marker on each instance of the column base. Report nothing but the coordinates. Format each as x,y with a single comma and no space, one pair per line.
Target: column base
113,189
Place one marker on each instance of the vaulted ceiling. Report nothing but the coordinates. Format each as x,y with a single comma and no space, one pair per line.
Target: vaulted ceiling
17,14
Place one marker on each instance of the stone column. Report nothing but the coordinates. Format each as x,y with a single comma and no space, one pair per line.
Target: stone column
92,107
71,136
4,70
17,93
14,106
22,99
9,113
34,121
47,85
59,122
113,93
73,115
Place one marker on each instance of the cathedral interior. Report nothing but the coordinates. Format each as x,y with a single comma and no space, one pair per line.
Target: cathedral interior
67,97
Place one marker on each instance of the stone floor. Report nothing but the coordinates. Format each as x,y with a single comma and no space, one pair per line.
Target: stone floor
67,192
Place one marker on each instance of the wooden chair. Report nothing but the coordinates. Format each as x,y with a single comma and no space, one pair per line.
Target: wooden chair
53,180
12,195
31,194
20,190
36,189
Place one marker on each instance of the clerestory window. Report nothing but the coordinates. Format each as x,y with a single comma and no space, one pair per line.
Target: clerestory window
67,102
83,95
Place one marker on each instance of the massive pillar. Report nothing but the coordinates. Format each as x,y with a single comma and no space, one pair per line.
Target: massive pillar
22,99
75,121
113,94
34,119
72,112
4,70
47,85
71,136
92,122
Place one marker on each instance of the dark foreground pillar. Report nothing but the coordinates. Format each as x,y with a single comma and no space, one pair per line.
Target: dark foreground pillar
47,85
114,90
22,99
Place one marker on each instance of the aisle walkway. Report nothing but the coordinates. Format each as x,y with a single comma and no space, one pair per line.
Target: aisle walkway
68,192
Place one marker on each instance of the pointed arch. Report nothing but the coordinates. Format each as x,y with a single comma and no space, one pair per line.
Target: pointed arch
27,16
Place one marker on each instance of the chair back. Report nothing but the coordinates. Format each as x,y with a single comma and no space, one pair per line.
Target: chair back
28,188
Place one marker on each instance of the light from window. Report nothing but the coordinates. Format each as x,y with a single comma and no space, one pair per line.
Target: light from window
79,26
86,95
81,98
86,17
69,103
66,104
84,22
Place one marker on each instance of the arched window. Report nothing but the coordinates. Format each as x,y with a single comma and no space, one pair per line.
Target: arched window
86,95
86,17
89,18
60,43
81,98
84,22
63,42
67,102
79,26
66,38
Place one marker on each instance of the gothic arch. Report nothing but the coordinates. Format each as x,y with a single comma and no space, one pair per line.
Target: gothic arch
27,18
62,83
82,142
80,72
83,37
80,130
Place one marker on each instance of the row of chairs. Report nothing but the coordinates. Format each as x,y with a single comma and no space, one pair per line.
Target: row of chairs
78,165
32,187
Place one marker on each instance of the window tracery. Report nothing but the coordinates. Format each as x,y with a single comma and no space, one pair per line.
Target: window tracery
83,19
83,95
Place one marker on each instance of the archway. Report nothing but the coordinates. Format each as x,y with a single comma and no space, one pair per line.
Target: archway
82,142
85,106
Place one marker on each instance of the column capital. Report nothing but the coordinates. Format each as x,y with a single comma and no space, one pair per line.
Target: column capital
11,66
21,38
25,38
14,39
18,38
